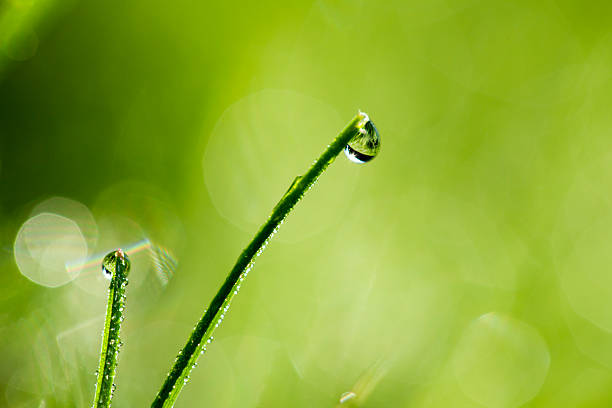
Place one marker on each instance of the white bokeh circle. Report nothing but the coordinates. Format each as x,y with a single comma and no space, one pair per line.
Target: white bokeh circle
45,243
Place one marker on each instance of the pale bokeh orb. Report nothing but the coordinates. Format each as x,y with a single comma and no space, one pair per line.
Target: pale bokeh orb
582,242
501,362
73,210
44,245
258,147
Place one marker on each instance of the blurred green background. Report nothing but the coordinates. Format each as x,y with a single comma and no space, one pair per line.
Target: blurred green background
466,266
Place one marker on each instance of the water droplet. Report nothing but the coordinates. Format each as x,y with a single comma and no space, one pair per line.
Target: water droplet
364,146
110,261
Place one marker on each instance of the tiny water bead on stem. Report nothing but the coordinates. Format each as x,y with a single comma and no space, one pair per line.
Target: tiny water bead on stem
361,141
115,267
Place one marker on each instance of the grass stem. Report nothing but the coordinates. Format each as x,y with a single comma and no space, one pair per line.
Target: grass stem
116,265
213,316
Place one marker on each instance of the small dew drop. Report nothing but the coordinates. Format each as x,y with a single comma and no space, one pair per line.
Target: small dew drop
111,260
364,146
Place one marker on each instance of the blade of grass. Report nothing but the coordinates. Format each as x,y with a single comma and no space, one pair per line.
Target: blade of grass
117,265
213,316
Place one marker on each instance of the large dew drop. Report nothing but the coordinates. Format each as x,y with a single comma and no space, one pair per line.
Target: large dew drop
364,146
110,260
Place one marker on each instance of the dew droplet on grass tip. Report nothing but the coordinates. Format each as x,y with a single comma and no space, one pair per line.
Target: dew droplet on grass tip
364,146
110,262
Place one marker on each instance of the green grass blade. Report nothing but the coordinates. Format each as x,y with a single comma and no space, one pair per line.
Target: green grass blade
117,265
213,316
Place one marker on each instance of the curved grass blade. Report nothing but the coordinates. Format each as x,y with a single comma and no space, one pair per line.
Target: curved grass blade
213,316
115,266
